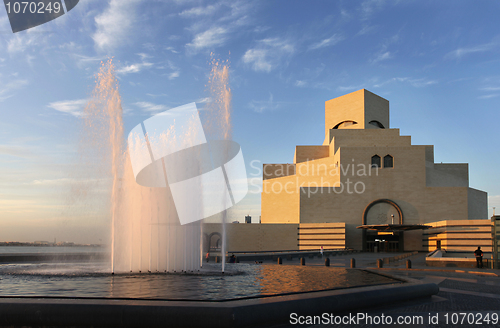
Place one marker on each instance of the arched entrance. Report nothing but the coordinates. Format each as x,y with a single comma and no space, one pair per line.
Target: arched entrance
214,242
382,212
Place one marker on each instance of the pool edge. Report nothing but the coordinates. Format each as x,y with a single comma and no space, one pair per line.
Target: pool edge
239,313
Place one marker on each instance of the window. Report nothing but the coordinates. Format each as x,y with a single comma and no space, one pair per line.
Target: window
376,161
377,124
342,125
388,161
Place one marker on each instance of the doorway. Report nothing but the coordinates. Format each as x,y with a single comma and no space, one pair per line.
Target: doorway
377,241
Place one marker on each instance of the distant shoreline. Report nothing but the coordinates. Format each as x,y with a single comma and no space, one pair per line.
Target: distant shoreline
10,244
56,257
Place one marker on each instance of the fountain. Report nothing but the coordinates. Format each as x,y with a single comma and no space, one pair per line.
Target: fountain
220,125
147,236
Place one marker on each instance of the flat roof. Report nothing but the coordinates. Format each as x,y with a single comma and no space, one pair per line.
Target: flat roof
394,227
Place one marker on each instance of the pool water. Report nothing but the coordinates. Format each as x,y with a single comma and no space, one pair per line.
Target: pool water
239,281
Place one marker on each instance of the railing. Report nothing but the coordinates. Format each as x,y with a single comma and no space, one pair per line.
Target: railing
387,246
289,255
294,251
396,258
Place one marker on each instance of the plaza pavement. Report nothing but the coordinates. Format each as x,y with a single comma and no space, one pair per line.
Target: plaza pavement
475,292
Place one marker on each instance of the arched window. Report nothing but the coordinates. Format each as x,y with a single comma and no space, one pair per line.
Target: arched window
376,161
343,124
388,161
377,124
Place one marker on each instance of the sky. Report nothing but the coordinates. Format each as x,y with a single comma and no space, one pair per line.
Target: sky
437,62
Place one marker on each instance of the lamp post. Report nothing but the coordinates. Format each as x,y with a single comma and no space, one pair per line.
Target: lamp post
495,232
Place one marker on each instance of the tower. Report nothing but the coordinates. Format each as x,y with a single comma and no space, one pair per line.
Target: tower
357,110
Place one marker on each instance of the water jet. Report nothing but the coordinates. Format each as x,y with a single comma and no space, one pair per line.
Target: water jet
147,236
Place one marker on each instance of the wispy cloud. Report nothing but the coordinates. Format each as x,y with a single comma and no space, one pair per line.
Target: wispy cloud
268,54
310,77
333,40
204,100
261,106
52,182
134,68
490,88
22,42
16,151
370,7
72,107
150,107
173,75
219,22
18,44
172,50
384,53
382,56
260,29
114,24
239,11
462,52
212,37
13,85
143,56
259,59
418,83
489,96
7,90
493,89
367,29
199,11
350,87
159,95
83,61
175,71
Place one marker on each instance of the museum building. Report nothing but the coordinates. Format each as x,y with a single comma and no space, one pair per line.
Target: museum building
365,188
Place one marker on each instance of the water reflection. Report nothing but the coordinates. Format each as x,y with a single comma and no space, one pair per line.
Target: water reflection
285,279
240,281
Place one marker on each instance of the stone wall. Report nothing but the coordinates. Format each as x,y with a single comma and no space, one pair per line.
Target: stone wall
314,235
254,237
459,235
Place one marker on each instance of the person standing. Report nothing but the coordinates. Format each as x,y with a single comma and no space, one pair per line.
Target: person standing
479,257
207,256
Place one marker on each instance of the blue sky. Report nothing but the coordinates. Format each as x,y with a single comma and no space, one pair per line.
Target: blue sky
436,62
